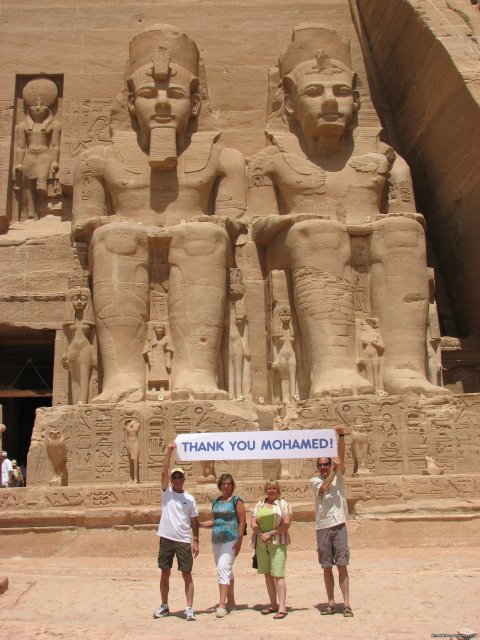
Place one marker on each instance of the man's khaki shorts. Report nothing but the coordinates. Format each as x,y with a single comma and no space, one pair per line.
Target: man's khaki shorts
170,548
332,546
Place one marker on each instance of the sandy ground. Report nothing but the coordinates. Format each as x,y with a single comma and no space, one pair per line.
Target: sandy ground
103,585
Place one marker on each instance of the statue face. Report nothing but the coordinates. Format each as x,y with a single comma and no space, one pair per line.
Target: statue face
79,300
164,103
323,103
284,314
159,330
38,113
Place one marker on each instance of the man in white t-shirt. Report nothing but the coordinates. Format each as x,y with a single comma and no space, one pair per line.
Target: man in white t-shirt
179,514
331,511
7,469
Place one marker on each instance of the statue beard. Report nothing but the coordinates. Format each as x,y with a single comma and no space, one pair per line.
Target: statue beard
163,148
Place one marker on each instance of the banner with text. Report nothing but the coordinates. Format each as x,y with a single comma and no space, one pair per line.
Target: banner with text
257,445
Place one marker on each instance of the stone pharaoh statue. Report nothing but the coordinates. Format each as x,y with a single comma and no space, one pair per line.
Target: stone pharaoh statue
159,180
314,189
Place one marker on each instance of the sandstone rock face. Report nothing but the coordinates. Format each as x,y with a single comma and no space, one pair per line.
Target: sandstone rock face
3,585
196,277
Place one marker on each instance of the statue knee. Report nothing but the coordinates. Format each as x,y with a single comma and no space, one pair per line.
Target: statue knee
397,233
121,239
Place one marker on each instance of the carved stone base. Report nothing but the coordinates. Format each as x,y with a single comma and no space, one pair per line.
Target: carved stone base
94,437
392,498
406,436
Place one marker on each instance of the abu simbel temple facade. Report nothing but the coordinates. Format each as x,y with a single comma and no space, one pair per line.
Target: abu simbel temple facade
239,216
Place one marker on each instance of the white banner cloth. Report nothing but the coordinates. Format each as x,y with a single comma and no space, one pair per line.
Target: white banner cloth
257,445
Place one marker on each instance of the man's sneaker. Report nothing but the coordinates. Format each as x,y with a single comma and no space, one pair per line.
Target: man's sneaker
162,611
189,614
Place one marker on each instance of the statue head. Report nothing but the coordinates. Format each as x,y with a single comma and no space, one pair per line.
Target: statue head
284,314
162,80
372,322
318,82
78,300
159,330
39,94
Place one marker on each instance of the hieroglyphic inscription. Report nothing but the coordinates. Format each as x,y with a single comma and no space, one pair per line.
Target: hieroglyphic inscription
6,123
85,124
103,454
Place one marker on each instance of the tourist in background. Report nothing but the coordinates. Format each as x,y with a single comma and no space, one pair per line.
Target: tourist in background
270,523
228,527
7,469
16,478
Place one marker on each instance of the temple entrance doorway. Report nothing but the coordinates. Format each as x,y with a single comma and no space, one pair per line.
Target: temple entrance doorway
26,381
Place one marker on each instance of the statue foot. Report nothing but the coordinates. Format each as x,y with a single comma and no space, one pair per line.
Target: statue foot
340,382
197,385
118,390
189,393
410,382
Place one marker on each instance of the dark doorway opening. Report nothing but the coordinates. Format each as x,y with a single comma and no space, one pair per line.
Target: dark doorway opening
26,381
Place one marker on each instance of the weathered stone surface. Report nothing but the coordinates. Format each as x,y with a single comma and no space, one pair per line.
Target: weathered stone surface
3,585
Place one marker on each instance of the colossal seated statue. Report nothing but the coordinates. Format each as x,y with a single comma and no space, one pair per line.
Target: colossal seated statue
317,191
162,185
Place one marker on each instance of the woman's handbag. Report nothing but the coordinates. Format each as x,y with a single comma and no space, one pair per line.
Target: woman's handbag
235,500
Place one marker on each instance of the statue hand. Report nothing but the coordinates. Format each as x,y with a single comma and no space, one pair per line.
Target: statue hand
65,362
303,217
83,229
54,167
19,168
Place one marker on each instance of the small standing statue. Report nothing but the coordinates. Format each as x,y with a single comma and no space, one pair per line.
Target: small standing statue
434,337
360,449
158,354
239,352
37,145
57,454
284,359
371,352
133,448
79,329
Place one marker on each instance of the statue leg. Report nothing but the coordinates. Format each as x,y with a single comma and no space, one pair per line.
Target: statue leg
237,372
198,259
120,299
318,254
30,198
400,298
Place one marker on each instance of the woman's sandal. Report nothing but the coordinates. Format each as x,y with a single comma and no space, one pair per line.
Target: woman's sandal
347,612
280,615
265,612
328,611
